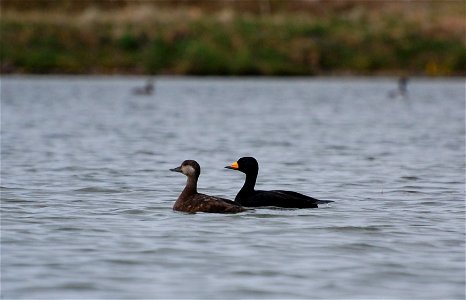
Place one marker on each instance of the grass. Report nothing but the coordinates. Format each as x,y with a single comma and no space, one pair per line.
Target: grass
147,39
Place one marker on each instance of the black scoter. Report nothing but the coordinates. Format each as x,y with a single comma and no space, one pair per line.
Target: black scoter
249,197
191,201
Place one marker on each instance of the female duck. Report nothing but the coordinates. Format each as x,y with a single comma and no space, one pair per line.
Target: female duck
191,201
250,197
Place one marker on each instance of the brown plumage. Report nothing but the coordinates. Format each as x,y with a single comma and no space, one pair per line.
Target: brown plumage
191,201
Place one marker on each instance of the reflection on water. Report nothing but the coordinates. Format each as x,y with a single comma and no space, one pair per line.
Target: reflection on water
86,192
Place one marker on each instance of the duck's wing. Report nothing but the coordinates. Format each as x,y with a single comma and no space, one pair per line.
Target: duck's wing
275,198
279,198
303,197
211,204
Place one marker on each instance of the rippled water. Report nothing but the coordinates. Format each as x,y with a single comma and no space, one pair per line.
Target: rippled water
87,196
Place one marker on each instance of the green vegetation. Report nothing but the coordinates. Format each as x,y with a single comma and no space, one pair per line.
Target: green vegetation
147,39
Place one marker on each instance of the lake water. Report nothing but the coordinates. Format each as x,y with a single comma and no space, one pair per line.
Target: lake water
86,195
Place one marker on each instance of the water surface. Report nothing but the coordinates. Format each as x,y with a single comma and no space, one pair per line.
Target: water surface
86,195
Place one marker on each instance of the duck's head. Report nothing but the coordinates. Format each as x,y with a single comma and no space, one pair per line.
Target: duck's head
189,168
246,165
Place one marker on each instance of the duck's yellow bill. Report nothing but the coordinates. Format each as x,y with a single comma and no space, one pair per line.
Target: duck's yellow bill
234,165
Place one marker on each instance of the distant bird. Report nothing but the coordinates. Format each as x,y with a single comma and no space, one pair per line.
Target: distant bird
249,197
402,90
146,90
191,201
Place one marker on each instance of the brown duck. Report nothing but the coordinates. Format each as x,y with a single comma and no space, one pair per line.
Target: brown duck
191,201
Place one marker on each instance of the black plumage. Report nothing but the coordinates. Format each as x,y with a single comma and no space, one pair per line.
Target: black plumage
249,197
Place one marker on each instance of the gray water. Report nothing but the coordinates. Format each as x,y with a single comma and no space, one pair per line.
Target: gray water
86,195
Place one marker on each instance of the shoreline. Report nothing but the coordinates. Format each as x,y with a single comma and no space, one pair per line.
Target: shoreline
149,40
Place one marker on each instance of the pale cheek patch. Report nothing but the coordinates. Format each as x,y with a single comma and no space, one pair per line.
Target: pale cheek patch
188,170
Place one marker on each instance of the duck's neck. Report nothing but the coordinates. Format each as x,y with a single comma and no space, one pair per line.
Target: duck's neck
191,186
249,184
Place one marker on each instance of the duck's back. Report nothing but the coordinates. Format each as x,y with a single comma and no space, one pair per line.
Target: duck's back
279,198
205,203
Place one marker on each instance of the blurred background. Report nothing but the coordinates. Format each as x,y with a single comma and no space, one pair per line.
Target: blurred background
233,37
87,195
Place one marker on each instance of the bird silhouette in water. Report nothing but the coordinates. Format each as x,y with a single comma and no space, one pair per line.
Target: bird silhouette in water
250,197
146,90
191,201
402,89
